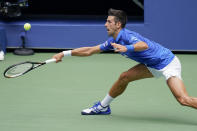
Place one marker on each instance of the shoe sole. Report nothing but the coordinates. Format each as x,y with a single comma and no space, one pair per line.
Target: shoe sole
107,113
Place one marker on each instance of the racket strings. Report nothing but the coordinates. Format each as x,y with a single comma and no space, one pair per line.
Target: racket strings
24,67
18,69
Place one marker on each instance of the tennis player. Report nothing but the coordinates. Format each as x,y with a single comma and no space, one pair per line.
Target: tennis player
154,61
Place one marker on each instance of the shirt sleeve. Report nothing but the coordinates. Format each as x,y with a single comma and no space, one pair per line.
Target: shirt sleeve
106,46
133,39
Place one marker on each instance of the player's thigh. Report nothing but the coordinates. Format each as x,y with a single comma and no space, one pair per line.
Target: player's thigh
177,87
137,72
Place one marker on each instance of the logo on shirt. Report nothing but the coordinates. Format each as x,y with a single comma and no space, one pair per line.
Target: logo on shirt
134,38
105,44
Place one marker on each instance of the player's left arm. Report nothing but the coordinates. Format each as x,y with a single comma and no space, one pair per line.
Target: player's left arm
139,46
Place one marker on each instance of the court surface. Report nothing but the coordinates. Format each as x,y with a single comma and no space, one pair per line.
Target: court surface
51,97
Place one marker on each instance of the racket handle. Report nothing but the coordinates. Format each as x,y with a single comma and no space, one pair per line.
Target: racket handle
50,60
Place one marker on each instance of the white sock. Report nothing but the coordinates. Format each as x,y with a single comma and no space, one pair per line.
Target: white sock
107,100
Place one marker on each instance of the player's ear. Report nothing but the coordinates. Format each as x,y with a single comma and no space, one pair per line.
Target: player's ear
118,24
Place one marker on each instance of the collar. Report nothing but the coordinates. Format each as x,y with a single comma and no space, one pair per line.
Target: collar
119,34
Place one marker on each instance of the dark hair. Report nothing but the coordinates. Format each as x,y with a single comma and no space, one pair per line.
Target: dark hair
120,16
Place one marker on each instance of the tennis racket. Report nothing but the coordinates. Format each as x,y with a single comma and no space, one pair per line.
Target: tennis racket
23,68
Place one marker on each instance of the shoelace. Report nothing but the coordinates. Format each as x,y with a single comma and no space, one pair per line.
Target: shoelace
94,107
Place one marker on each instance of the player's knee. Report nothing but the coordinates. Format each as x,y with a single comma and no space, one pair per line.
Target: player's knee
124,77
183,100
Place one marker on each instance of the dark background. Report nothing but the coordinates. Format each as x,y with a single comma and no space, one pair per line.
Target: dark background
82,7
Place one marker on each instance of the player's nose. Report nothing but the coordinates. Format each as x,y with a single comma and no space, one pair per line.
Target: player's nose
106,24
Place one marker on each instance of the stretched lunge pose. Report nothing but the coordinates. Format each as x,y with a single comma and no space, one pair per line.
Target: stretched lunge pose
154,61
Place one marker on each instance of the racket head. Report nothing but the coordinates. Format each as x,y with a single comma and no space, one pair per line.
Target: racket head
23,67
18,69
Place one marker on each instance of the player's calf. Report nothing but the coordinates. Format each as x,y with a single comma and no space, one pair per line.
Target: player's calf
187,101
183,100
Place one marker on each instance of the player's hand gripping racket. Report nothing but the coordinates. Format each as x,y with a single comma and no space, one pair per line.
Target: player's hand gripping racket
24,67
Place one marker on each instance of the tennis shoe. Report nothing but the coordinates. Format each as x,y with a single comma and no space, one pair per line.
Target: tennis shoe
97,109
1,55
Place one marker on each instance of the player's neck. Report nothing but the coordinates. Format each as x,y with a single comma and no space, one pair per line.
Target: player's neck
116,34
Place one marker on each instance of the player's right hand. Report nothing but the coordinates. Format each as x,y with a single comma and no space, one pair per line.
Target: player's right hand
58,57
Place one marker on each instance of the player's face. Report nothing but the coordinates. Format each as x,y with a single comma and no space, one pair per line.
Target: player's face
111,26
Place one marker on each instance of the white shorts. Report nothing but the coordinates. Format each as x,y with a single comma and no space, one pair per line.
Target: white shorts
172,69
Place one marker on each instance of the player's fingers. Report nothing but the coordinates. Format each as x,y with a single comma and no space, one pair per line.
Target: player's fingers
114,44
57,59
117,49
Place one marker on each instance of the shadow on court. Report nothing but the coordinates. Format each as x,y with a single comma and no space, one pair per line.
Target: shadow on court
159,119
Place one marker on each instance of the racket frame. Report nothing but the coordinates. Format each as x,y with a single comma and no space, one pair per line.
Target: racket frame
32,67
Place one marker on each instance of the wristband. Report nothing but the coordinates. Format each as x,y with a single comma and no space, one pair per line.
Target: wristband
67,53
130,48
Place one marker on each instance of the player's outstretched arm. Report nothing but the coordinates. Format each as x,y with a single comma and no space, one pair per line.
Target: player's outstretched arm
86,51
83,51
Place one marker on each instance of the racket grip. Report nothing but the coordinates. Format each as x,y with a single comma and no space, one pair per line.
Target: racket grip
50,60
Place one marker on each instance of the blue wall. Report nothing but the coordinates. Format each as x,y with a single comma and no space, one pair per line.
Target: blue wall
171,23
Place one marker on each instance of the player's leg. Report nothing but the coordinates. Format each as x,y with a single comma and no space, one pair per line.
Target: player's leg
178,89
137,72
